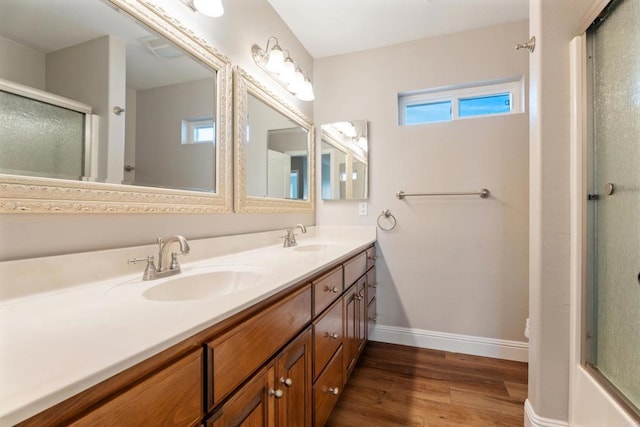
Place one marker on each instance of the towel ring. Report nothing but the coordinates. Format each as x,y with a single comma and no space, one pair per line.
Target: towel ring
386,213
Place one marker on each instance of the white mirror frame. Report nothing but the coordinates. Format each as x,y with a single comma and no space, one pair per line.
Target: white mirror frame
46,195
244,84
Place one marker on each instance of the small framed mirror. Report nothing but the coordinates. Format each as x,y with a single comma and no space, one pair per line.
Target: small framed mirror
274,152
345,161
114,106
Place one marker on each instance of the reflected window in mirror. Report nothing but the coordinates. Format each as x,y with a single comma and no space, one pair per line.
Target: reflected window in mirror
344,160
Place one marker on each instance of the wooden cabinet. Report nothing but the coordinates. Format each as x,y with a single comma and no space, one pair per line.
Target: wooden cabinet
233,356
252,405
328,333
171,397
293,378
327,389
326,290
355,324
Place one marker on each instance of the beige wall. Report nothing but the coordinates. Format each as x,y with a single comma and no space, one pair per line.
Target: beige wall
453,265
160,156
21,64
554,24
245,22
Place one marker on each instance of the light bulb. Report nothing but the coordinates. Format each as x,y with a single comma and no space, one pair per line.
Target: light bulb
305,93
296,82
212,8
288,70
275,64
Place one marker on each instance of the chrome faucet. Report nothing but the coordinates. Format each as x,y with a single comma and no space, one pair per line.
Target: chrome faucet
290,237
152,272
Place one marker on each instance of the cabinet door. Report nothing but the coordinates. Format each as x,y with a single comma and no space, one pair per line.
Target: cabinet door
293,378
253,405
361,304
350,341
327,389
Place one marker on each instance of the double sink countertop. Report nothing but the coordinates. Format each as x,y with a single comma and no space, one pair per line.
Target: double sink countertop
71,321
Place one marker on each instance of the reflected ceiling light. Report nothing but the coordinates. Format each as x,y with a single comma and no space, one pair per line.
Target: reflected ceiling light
279,65
212,8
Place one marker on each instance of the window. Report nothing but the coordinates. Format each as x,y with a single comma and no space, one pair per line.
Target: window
198,131
461,101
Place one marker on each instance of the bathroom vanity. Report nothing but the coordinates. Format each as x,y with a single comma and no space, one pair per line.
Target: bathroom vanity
278,352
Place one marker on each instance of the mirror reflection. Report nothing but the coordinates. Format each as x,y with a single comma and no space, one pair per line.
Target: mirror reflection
276,154
90,94
345,168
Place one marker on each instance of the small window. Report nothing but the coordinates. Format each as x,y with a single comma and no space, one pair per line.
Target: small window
198,131
428,112
461,101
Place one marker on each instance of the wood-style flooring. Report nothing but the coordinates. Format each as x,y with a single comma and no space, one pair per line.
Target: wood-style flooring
395,385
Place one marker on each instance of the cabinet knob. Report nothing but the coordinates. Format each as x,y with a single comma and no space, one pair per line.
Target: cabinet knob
276,393
332,335
333,289
286,381
333,390
358,297
372,318
372,258
373,285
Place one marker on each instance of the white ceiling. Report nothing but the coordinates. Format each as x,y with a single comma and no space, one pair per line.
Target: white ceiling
333,27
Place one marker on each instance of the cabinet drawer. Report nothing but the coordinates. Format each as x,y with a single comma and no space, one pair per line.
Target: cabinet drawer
235,355
327,389
171,397
326,290
327,336
354,268
371,284
371,257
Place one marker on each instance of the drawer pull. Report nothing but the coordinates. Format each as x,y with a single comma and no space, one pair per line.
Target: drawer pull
375,285
373,319
286,381
358,297
333,390
372,258
333,336
333,289
276,393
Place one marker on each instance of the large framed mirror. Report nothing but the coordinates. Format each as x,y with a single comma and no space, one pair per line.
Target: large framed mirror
345,160
111,106
274,152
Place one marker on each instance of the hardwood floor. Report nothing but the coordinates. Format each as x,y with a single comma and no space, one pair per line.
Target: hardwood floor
395,385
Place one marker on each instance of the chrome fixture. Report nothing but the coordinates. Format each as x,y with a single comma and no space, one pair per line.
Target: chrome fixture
290,237
212,8
386,214
273,60
152,272
529,45
484,193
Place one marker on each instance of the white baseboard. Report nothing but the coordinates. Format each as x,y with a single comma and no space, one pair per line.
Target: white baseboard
479,346
531,419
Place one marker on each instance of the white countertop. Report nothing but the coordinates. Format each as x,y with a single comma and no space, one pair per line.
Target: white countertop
58,342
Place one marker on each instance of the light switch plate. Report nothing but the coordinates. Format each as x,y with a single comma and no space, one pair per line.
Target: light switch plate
362,208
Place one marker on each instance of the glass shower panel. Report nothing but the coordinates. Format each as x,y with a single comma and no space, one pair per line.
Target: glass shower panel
616,181
40,139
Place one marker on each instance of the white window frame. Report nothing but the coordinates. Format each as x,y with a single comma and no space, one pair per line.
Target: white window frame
453,94
189,126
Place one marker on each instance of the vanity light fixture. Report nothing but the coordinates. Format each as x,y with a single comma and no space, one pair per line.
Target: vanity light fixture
279,65
212,8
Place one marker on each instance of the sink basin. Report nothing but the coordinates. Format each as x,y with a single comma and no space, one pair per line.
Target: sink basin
312,248
193,284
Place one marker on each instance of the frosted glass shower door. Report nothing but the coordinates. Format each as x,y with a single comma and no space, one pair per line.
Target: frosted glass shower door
615,199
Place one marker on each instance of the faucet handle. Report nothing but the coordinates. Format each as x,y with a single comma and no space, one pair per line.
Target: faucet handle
174,261
150,270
